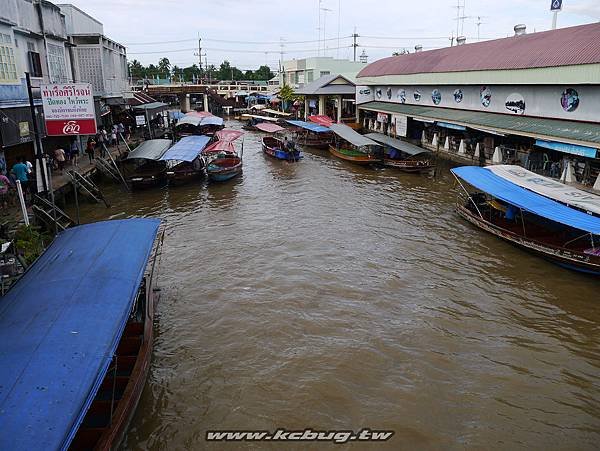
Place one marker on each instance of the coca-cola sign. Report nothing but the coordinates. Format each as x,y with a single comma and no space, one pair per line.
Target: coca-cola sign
69,109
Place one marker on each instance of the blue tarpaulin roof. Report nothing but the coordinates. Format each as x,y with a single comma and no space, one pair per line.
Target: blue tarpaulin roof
211,120
60,325
176,114
487,181
310,126
187,149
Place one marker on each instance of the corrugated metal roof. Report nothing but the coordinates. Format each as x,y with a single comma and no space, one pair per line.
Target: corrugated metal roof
555,129
321,86
563,47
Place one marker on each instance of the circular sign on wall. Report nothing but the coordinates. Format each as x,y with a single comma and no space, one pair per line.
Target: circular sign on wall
515,103
458,95
378,93
417,96
389,93
436,96
485,95
569,100
402,95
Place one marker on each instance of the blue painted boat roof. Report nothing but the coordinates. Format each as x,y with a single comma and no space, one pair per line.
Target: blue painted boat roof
310,126
485,180
211,120
187,149
60,325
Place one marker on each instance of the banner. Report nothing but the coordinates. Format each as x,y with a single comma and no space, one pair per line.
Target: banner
69,109
382,117
401,124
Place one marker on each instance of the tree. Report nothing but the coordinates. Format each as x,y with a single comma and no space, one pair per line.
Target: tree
136,69
177,74
191,72
263,73
164,67
287,95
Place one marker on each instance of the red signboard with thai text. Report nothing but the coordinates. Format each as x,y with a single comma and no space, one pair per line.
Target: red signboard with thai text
69,109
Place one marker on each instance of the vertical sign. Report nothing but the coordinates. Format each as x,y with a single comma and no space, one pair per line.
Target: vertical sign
401,124
69,109
556,5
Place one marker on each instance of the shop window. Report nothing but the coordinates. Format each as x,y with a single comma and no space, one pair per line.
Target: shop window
8,66
57,63
35,64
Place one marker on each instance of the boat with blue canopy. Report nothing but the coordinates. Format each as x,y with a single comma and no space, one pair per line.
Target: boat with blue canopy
402,155
76,335
186,159
312,135
550,229
143,166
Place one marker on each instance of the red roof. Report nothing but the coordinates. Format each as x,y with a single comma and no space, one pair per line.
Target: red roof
563,47
323,120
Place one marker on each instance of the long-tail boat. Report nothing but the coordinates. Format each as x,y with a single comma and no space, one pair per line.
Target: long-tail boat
312,135
354,147
538,224
76,335
585,201
186,159
223,162
280,149
402,155
199,123
143,166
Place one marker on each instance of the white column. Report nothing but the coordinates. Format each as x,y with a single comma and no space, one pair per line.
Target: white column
306,105
568,175
184,103
477,151
447,143
322,100
205,100
339,109
434,141
461,148
423,139
597,184
497,157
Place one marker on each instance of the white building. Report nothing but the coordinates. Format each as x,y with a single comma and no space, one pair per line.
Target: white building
298,72
96,58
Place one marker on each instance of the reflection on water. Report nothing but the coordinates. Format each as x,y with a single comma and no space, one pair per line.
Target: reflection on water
321,294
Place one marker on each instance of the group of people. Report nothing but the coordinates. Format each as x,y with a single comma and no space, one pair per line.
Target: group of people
22,170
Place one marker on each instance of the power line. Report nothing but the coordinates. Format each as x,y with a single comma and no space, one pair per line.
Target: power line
226,41
157,52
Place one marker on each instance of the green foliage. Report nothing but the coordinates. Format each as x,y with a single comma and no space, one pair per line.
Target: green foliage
30,243
287,93
226,71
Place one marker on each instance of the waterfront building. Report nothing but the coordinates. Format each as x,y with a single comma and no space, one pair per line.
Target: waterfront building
331,95
33,39
531,99
98,60
298,72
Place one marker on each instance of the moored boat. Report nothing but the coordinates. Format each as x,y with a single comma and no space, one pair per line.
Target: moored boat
280,149
199,123
77,335
143,167
556,232
312,135
403,155
222,161
224,167
354,147
185,157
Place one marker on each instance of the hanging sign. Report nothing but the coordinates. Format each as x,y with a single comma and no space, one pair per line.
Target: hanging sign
556,5
140,120
69,109
401,124
382,117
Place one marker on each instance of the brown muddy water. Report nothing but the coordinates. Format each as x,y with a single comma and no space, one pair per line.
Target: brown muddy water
325,295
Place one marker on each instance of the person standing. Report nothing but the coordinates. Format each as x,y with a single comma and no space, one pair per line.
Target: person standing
113,136
74,152
5,186
89,148
59,156
20,172
121,131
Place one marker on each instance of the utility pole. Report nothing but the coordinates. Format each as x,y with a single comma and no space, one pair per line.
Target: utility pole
282,74
355,44
39,150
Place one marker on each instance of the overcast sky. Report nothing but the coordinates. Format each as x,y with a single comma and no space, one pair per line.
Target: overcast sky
259,25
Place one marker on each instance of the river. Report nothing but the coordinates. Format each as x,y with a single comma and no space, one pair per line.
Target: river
321,294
